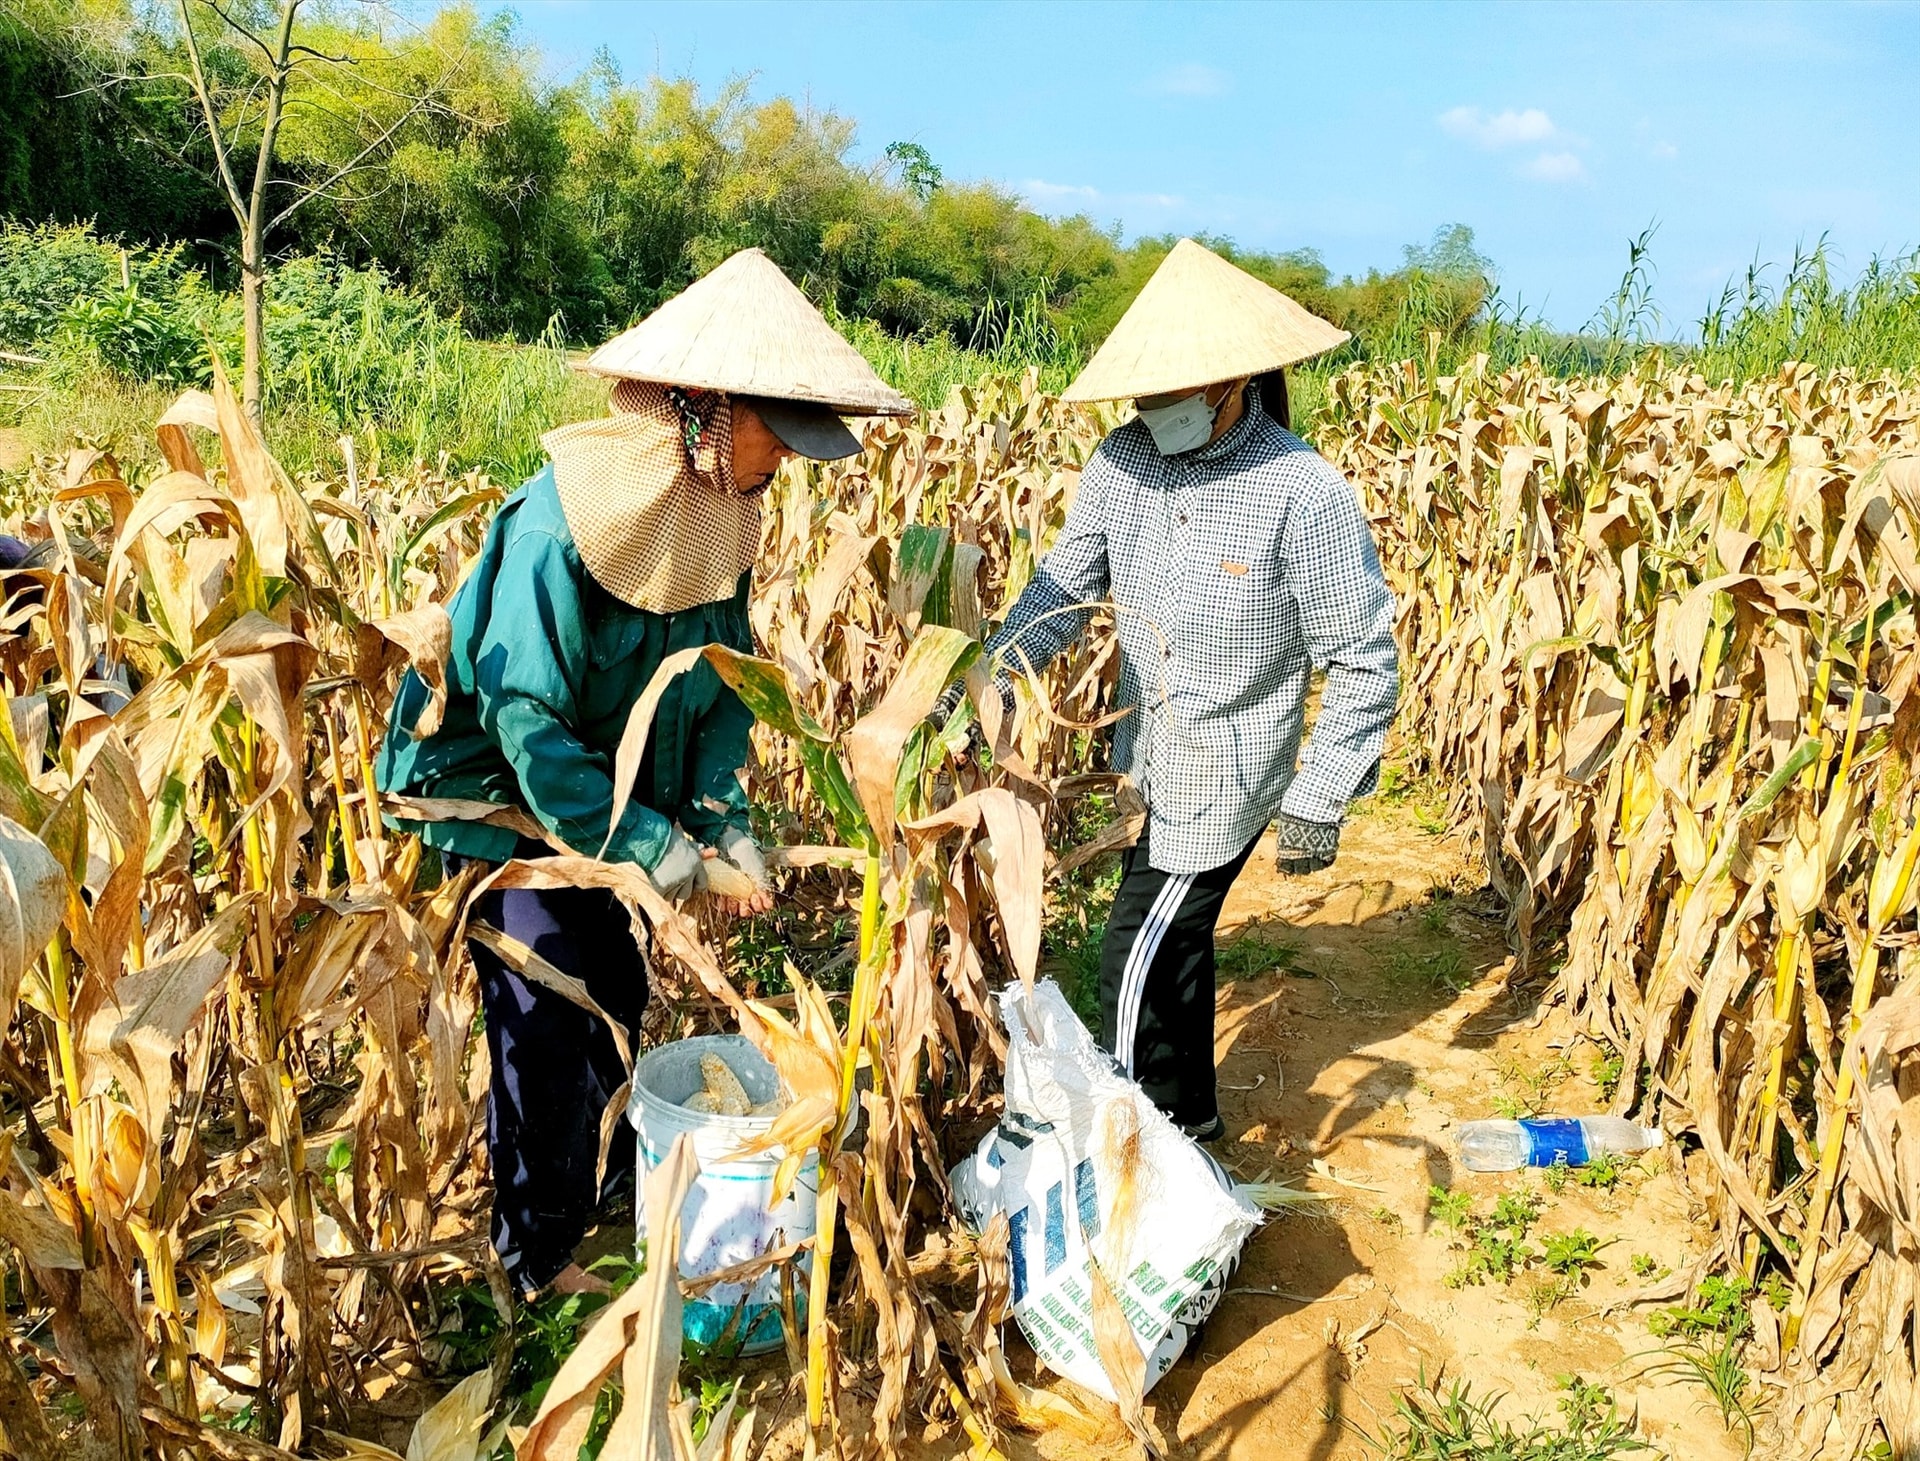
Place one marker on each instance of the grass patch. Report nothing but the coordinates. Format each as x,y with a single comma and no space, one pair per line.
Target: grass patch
1714,1366
1423,796
1436,971
1430,1426
1249,957
1526,1086
1705,1339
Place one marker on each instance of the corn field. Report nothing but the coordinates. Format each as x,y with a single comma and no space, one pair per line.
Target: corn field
247,1096
1659,641
1659,644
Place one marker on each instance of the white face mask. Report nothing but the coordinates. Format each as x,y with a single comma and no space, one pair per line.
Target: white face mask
1181,427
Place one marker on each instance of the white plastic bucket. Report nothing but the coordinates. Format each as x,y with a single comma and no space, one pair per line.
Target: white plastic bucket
727,1218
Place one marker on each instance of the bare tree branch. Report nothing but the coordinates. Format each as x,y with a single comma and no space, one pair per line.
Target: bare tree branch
276,93
341,172
240,30
227,179
300,50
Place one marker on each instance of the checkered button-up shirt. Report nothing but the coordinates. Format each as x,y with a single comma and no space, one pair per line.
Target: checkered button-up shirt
1234,570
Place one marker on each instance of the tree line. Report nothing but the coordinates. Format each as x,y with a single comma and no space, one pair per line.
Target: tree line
443,154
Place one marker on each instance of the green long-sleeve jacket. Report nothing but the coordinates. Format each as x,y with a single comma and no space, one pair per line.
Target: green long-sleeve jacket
546,665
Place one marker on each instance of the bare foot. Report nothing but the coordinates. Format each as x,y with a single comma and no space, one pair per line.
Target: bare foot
573,1279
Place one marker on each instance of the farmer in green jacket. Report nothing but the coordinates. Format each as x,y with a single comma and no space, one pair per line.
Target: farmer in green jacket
635,542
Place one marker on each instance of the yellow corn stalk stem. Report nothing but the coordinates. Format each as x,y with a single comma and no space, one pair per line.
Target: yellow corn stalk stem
157,1249
356,872
363,743
1786,994
1887,892
865,984
1786,972
983,1447
284,1107
1816,717
60,982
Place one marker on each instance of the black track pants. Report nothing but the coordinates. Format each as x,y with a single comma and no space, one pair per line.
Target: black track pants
1156,981
555,1068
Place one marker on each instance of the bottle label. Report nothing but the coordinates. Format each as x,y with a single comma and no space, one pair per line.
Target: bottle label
1551,1142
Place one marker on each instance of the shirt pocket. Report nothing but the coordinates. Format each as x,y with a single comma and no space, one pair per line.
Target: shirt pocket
615,639
1232,570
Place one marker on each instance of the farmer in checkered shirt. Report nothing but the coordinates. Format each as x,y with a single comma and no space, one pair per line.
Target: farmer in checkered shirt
1236,561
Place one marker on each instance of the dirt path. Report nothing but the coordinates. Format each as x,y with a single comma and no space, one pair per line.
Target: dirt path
1363,1013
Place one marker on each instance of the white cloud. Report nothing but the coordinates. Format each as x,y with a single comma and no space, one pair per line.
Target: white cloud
1502,129
1664,150
1189,79
1040,192
1554,167
1041,188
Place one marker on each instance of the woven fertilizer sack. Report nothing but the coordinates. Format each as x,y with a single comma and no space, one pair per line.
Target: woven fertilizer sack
1090,1174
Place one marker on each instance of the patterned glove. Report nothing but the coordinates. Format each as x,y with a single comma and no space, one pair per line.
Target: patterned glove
1304,847
948,705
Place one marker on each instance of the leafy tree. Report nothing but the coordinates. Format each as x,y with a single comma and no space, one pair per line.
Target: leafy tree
72,150
918,171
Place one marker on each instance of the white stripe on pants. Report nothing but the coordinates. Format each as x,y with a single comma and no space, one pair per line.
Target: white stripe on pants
1146,945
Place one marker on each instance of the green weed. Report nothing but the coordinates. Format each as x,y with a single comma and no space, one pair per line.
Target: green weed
1450,1208
1775,1289
1491,1254
1075,930
1496,1248
1719,1307
1429,1426
1441,970
1527,1085
1517,1211
1714,1365
1249,958
1608,1066
1573,1253
545,1331
1602,1172
714,1393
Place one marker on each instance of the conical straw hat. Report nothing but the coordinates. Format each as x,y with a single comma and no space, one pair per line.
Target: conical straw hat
1200,320
747,330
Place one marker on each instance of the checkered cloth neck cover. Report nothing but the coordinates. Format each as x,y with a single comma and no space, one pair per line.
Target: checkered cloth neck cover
1234,570
657,521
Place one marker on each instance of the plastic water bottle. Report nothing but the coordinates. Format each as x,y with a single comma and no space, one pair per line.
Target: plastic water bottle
1544,1141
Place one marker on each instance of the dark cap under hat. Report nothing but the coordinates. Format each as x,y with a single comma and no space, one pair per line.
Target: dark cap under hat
813,431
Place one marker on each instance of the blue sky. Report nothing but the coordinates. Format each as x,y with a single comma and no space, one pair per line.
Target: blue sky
1555,131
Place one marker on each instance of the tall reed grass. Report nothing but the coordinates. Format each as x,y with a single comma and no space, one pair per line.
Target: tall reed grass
1871,325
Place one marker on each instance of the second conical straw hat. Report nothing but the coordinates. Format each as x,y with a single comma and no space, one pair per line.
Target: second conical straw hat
1200,320
746,329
